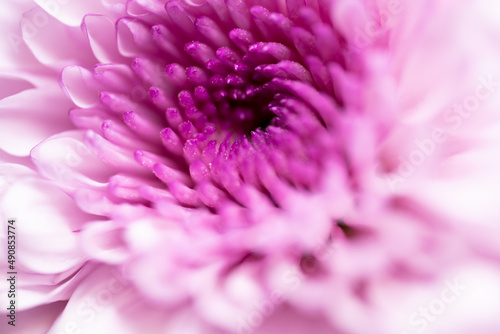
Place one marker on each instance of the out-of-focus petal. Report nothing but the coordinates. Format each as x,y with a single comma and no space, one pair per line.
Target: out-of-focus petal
36,320
15,54
105,241
11,86
107,301
47,224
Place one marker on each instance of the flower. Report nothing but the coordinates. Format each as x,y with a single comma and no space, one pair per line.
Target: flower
254,166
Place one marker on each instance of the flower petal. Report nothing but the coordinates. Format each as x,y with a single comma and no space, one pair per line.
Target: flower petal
14,52
71,12
107,302
66,160
104,241
12,85
35,320
68,48
80,86
25,124
102,37
46,221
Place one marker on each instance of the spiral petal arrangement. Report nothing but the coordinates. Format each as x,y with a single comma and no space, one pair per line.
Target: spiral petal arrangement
252,166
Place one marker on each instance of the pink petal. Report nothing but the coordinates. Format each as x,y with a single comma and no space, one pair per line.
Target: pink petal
286,319
107,302
133,38
102,38
25,124
15,54
67,49
12,85
36,320
104,241
80,86
41,289
66,160
46,221
72,13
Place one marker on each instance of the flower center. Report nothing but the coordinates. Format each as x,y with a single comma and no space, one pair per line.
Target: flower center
229,93
248,102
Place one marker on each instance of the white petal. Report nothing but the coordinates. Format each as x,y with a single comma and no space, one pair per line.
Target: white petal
80,86
31,116
104,241
14,54
106,302
71,12
65,159
54,43
40,289
102,37
46,225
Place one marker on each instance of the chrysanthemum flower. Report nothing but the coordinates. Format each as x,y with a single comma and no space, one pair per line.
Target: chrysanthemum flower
252,166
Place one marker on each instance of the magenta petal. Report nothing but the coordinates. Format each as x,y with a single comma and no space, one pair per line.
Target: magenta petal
179,16
184,194
211,31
